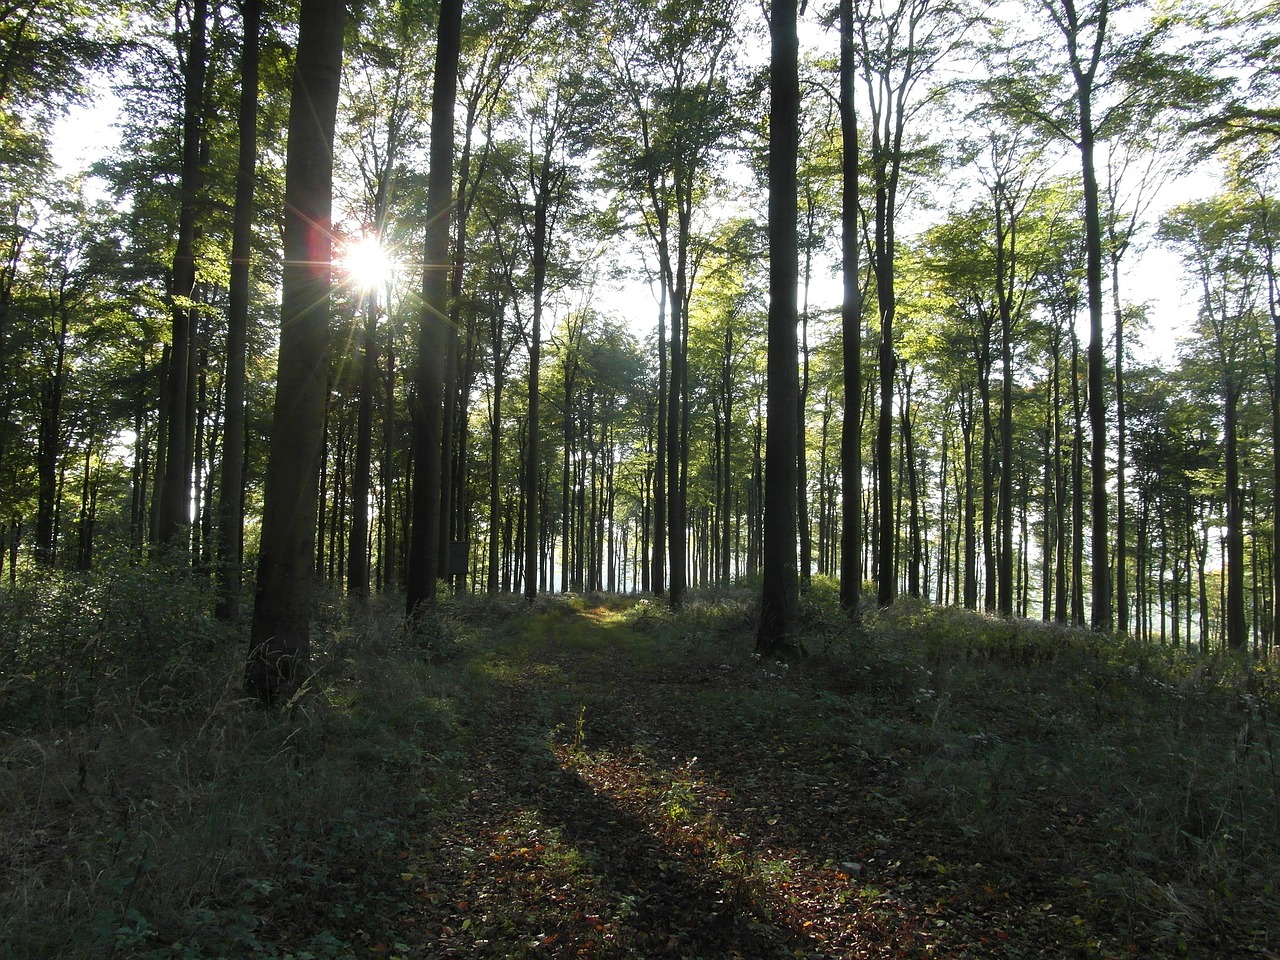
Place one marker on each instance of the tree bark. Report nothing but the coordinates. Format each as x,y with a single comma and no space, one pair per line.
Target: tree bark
280,637
851,328
780,600
175,499
428,397
230,538
358,552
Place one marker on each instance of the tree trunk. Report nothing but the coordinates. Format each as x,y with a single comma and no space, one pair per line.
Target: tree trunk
1236,625
851,328
659,576
432,344
915,555
1077,490
230,538
1101,616
780,600
175,499
678,412
970,507
49,443
1005,279
803,524
1122,520
280,636
989,575
358,554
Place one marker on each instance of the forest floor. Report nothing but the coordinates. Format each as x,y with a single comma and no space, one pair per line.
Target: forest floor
603,778
640,792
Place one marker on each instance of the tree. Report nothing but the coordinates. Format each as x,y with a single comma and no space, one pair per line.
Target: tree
383,102
280,636
1138,165
1118,80
428,396
230,540
670,65
175,503
898,45
851,322
1218,242
539,182
780,599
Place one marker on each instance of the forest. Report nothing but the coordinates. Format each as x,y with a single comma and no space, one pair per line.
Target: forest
554,372
870,357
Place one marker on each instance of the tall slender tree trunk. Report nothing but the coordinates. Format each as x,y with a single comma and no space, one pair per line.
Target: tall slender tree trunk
49,447
659,577
495,438
850,326
1077,489
1005,278
428,399
678,414
915,546
1236,625
780,600
230,537
805,528
175,499
1122,519
451,446
280,636
358,553
886,570
726,458
1273,307
389,570
1060,552
1101,613
970,507
989,575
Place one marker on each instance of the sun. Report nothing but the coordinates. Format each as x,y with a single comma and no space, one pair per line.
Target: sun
367,263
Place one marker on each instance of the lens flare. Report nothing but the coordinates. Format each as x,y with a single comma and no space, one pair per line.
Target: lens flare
367,263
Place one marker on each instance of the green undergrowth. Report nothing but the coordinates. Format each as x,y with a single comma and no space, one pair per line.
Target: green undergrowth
1128,796
1139,785
152,811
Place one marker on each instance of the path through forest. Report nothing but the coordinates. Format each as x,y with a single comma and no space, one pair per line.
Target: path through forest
625,799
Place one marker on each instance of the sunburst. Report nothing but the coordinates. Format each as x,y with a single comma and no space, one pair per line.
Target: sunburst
367,263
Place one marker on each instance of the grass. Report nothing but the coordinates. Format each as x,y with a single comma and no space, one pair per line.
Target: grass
596,776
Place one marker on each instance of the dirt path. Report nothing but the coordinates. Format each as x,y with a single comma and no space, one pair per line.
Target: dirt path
621,807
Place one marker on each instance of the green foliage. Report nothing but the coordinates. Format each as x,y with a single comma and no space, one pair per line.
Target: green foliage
127,640
153,812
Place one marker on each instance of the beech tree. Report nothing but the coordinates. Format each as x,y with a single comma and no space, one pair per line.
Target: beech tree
851,320
898,44
230,539
780,600
175,503
279,642
428,396
600,469
670,64
1218,242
